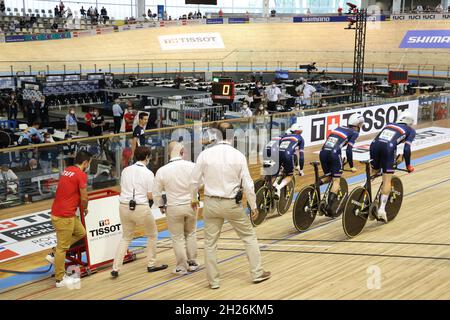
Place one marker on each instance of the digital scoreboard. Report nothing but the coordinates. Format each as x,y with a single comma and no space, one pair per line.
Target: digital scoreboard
398,77
222,90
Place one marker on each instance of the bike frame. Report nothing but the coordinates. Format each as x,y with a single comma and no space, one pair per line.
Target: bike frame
318,181
369,177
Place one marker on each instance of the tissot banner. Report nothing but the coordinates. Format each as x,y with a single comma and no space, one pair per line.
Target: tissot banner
191,41
318,127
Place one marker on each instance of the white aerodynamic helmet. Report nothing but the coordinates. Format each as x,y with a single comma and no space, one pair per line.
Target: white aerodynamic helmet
356,120
296,127
406,117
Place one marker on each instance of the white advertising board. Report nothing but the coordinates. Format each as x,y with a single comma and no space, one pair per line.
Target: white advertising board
191,41
317,127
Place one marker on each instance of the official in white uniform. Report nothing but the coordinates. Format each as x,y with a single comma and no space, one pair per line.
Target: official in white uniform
136,184
273,96
223,170
174,179
305,91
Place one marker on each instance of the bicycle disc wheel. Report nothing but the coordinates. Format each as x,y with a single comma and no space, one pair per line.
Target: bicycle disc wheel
305,208
258,184
395,200
355,213
286,197
263,203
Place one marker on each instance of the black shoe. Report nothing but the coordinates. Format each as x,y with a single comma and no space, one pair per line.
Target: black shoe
154,269
114,274
330,205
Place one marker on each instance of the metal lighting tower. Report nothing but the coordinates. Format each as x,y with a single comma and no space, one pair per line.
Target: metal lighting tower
358,22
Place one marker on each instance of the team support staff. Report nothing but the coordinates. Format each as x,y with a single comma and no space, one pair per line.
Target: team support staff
273,96
139,132
223,170
71,194
136,184
305,92
174,179
117,114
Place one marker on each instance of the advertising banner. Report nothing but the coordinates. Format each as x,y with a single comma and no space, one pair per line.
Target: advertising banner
318,127
15,38
426,16
333,18
85,33
103,229
191,41
426,39
214,21
238,20
38,37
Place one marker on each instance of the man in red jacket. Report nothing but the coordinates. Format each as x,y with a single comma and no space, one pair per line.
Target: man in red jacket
71,194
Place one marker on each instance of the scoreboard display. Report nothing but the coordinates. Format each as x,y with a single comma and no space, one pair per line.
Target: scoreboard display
207,2
222,91
398,77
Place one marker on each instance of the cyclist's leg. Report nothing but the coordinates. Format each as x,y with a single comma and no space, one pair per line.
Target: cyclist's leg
287,162
375,158
324,162
388,171
336,173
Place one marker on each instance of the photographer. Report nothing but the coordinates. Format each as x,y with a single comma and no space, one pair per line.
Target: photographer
136,186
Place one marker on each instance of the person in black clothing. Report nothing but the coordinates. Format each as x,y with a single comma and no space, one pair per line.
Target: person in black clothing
20,103
56,11
13,107
43,112
139,132
32,110
69,150
258,94
2,6
98,121
83,12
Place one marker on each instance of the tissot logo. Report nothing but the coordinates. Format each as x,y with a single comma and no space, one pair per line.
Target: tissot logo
103,223
317,129
105,229
332,123
6,225
376,119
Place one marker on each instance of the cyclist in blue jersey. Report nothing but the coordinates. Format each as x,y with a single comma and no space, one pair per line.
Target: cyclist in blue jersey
291,145
331,155
383,150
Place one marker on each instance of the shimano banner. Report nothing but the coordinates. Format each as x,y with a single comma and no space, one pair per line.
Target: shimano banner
333,18
427,39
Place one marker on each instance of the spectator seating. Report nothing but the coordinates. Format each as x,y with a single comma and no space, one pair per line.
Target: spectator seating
43,22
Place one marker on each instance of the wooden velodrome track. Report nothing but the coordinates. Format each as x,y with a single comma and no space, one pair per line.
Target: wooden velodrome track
412,253
286,43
